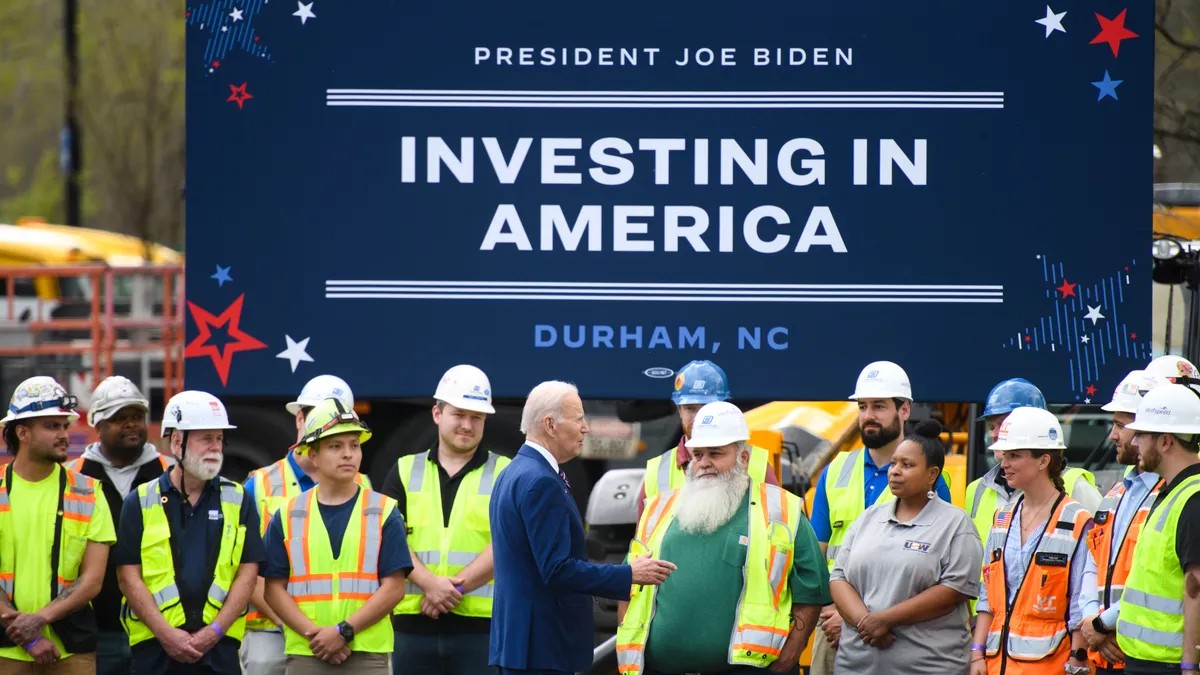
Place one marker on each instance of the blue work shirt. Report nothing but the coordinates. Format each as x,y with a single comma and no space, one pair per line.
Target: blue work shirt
197,532
302,479
875,480
393,547
1138,487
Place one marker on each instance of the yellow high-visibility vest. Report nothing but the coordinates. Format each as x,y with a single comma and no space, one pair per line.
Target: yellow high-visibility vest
273,485
765,605
844,494
327,590
1150,626
158,562
446,550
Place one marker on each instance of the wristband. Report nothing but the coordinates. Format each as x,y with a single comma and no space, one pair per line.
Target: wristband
978,648
33,644
1189,666
460,589
217,629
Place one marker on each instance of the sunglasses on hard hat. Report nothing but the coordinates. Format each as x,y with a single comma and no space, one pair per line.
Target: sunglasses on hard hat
340,418
65,403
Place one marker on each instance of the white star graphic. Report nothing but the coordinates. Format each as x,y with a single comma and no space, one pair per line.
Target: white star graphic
224,29
1084,339
236,15
305,12
1094,314
295,352
1052,21
1087,400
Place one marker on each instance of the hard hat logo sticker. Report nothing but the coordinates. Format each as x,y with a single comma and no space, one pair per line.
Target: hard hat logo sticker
679,380
872,374
1053,434
707,419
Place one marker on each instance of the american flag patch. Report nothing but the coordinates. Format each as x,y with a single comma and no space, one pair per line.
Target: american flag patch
1003,518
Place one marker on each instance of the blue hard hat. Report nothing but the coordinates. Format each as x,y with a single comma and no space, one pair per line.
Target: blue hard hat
700,382
1012,394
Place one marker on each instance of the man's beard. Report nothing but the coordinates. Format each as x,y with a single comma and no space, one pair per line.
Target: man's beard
878,438
195,465
706,504
1127,454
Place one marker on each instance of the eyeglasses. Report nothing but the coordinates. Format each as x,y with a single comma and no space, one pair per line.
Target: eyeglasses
65,403
340,418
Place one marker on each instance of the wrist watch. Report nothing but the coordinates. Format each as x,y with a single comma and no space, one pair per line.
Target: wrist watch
1099,626
346,631
1079,654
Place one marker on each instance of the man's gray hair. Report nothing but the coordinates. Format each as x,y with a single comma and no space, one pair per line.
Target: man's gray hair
545,400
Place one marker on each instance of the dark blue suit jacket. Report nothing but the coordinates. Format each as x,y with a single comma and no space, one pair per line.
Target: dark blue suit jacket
542,610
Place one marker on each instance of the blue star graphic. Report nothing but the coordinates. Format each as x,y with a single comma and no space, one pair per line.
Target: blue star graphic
222,275
1107,87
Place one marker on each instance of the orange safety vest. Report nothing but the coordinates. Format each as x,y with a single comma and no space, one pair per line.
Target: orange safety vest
1034,639
1110,578
76,464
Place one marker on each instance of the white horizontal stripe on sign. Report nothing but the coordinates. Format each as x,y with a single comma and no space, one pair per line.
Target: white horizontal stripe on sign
660,99
499,290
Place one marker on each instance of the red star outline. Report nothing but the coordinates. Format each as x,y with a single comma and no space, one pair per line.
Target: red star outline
205,321
1067,289
1113,31
238,95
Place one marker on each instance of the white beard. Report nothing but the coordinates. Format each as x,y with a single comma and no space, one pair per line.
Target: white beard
195,465
708,503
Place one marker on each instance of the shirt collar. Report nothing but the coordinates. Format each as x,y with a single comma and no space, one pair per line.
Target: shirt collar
168,485
544,453
1149,479
922,519
300,475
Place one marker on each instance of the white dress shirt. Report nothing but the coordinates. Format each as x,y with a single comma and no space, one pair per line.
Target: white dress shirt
544,453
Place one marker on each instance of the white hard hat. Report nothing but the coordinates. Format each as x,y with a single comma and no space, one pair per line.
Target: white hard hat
40,396
195,410
882,379
1170,368
717,424
1029,428
1128,393
113,394
466,387
1168,409
320,388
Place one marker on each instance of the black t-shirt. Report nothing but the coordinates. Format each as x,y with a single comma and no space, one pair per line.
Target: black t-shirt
394,488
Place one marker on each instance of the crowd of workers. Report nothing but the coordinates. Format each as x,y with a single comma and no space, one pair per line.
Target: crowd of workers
306,568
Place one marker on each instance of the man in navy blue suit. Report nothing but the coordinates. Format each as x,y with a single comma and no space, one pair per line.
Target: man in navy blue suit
542,610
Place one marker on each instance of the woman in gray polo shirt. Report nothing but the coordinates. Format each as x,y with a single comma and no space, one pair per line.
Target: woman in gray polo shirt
906,571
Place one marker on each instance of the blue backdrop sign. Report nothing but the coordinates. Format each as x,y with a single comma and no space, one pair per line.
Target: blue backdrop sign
603,192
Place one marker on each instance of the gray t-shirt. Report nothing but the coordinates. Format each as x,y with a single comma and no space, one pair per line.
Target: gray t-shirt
888,562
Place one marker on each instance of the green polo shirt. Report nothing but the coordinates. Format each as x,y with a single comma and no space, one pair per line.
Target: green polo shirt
695,610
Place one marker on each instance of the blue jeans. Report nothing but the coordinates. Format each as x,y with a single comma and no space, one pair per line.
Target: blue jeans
445,654
112,653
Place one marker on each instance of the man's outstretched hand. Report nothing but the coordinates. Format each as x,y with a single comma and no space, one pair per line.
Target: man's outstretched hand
649,571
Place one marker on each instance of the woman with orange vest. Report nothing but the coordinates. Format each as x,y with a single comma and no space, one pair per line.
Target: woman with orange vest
1033,562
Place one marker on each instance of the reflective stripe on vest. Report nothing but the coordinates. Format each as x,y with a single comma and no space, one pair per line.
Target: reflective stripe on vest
77,463
1150,626
329,590
764,608
273,485
1037,629
846,497
665,470
158,563
446,550
79,504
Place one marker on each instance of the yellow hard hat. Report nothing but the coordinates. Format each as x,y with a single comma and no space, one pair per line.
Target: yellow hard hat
329,418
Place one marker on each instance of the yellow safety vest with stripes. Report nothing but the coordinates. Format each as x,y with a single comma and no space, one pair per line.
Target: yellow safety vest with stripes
78,504
447,550
663,472
328,590
845,482
158,562
273,485
765,605
1151,623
